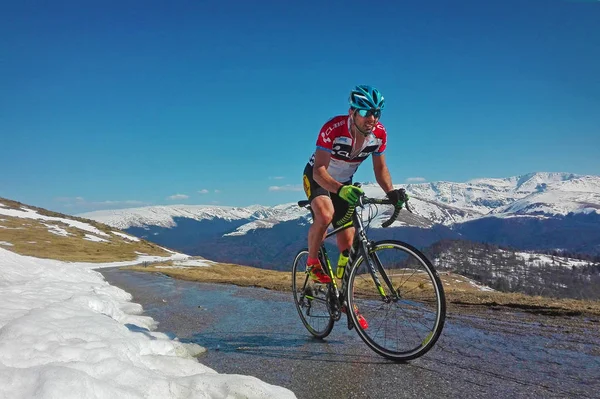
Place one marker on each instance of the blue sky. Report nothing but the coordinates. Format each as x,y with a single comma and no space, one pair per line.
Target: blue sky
130,103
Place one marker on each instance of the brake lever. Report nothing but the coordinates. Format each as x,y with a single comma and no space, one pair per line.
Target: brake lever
360,202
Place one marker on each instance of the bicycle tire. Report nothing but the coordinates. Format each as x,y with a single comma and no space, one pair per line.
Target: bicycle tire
410,321
310,299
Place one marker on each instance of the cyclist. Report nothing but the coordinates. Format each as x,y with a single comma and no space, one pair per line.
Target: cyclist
344,142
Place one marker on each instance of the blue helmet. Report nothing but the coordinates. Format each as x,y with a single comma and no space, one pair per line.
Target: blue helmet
366,97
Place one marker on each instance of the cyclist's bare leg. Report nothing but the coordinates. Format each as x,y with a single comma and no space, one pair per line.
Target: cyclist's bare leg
344,238
322,208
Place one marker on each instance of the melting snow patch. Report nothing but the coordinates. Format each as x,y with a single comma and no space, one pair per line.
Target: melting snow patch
126,236
480,287
168,250
59,231
93,238
31,214
194,262
188,264
6,243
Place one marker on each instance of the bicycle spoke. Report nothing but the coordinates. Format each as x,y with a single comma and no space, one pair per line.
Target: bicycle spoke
406,322
310,299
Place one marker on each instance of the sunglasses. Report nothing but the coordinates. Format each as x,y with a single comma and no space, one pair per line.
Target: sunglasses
365,113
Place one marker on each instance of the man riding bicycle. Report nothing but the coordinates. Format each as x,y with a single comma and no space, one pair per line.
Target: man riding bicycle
344,142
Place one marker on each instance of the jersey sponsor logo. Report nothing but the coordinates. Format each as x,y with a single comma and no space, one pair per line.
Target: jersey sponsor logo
324,134
340,123
341,150
342,154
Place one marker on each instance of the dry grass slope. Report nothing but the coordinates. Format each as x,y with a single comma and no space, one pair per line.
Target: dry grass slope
224,273
32,237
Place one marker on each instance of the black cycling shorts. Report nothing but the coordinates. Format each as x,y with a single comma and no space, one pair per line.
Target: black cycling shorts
313,190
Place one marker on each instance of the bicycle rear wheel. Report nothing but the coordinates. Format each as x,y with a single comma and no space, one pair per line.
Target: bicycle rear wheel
310,299
406,311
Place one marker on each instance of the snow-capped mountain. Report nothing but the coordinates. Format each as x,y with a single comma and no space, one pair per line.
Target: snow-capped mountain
577,195
446,203
537,211
165,216
534,193
267,217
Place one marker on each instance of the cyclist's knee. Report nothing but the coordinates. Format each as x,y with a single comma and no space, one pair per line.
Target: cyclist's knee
324,218
322,210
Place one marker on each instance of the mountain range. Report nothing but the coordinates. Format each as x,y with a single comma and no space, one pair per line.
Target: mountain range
537,211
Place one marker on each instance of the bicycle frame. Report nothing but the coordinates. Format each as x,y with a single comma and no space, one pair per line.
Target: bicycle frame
361,243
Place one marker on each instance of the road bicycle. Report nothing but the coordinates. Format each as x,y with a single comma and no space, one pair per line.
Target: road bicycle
390,283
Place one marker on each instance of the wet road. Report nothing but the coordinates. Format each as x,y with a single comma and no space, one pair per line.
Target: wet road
257,332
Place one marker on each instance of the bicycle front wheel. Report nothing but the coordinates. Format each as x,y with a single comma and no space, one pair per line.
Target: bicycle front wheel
400,295
310,299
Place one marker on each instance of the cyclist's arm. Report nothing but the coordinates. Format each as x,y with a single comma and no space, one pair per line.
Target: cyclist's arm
320,174
382,173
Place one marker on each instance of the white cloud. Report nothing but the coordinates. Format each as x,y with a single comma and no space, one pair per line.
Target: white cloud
287,187
416,180
203,191
217,191
276,177
178,197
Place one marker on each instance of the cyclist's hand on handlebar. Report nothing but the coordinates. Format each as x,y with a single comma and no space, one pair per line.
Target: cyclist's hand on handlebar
398,197
350,194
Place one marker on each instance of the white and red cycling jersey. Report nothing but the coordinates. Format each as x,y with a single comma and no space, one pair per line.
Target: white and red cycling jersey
336,139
